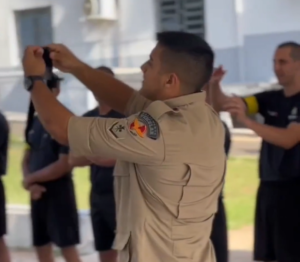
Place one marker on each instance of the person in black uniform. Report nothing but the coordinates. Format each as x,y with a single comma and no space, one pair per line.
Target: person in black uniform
219,235
102,196
4,139
47,175
277,227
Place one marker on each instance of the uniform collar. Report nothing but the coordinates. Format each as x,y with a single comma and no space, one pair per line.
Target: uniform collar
187,99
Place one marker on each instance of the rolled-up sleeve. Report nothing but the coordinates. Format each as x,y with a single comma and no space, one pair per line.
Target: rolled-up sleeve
135,139
136,103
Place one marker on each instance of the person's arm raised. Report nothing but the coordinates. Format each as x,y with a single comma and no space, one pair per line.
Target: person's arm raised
115,93
216,95
106,88
53,115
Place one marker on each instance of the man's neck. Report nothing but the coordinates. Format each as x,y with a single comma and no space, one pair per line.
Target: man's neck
291,90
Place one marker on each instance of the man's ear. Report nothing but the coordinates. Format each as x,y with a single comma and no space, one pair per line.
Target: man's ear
172,81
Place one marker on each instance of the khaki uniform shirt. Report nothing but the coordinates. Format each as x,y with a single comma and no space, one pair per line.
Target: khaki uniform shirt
168,178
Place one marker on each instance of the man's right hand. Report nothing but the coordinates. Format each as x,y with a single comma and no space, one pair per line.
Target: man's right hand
36,191
216,95
63,59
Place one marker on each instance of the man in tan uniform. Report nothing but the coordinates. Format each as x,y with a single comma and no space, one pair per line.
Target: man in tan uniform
170,148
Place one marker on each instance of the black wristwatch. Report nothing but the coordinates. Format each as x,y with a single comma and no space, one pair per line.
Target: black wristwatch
30,80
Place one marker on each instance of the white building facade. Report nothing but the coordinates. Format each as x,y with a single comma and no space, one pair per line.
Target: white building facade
243,33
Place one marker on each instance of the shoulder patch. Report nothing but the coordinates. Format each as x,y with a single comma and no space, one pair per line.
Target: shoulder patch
145,125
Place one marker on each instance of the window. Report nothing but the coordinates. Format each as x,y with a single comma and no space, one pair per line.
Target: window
34,27
182,15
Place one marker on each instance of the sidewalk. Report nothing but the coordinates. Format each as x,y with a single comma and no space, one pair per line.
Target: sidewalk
241,242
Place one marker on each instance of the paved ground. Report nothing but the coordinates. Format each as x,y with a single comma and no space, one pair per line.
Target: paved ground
236,256
240,246
245,146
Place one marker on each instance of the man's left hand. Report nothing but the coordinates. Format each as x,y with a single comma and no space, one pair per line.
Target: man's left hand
33,62
237,108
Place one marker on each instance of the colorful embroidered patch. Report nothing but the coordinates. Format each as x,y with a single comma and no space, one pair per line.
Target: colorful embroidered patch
145,125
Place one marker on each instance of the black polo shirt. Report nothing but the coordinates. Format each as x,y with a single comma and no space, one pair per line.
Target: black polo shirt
44,150
227,144
102,177
276,163
4,139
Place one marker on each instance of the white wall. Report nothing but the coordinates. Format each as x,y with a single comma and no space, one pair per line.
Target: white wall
245,33
121,43
267,24
256,16
94,41
137,31
221,23
4,35
271,16
222,31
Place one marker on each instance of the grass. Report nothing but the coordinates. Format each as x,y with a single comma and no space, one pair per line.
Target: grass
240,188
240,191
15,194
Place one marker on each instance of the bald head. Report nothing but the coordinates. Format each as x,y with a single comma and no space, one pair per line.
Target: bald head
294,47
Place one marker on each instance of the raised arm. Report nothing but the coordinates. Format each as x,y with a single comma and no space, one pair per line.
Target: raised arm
216,96
105,87
53,115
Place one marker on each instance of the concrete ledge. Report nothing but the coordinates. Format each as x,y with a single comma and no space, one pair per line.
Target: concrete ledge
242,132
15,117
19,229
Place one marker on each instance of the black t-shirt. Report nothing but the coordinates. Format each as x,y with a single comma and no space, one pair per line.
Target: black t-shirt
4,138
227,139
277,163
102,177
44,150
227,146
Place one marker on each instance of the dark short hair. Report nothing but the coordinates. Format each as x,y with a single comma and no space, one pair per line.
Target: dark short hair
295,49
189,56
106,70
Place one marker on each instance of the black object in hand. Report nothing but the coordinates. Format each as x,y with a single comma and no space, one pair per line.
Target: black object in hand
52,82
46,57
48,63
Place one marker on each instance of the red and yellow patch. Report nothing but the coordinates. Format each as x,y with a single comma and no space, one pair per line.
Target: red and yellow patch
138,127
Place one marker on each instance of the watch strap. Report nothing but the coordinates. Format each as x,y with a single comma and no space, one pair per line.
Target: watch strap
31,80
